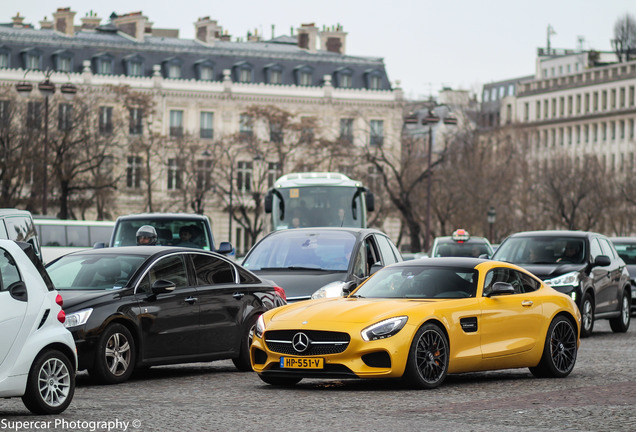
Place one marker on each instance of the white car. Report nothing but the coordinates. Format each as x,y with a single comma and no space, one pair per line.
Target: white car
38,358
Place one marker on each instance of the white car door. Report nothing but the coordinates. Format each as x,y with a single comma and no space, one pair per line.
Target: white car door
13,303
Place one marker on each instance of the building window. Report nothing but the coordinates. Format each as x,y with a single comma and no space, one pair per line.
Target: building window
346,130
274,74
245,75
5,116
244,177
303,75
174,174
502,92
344,78
135,121
174,71
586,130
63,62
275,132
493,94
135,68
305,78
578,134
631,129
595,132
376,129
374,179
206,73
4,58
375,82
32,60
486,95
103,64
621,129
245,125
207,125
65,119
273,172
632,95
612,127
105,120
604,131
34,115
176,123
243,72
538,108
204,174
133,172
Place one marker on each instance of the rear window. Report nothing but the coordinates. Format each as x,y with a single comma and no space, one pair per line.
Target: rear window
450,248
167,232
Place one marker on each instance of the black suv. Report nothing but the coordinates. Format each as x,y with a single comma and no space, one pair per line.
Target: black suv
583,265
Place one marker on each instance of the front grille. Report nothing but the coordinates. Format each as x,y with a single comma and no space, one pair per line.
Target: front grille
320,342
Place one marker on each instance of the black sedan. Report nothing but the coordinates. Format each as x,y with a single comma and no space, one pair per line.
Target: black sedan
153,305
320,262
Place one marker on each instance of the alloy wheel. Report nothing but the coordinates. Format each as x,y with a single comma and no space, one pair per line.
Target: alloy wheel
117,354
563,346
54,382
431,355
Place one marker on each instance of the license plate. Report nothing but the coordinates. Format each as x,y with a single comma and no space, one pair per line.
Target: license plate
301,363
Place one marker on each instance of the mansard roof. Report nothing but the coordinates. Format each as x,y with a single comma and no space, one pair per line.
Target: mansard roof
86,44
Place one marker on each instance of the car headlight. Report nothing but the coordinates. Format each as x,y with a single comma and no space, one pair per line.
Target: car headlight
568,279
260,327
384,329
333,289
78,318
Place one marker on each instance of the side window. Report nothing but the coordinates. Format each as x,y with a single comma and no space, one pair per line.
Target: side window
595,249
170,268
386,250
360,263
8,270
529,284
212,271
373,253
506,275
607,248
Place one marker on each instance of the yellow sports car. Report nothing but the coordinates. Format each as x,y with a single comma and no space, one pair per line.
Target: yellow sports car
421,320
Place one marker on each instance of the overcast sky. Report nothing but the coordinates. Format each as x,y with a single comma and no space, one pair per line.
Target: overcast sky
426,44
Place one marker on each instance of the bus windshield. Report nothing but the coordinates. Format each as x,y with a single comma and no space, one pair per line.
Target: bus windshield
314,206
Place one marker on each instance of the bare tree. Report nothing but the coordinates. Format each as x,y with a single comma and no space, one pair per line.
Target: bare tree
624,41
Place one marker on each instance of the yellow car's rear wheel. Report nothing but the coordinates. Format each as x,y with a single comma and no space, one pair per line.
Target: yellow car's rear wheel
427,364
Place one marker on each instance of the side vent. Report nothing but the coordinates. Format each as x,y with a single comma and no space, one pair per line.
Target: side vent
469,325
44,317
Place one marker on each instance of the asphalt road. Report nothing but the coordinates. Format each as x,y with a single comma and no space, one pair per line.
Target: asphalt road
599,395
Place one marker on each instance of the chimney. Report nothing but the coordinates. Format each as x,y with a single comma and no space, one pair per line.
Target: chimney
253,37
17,20
63,21
207,30
333,39
307,37
133,24
90,21
45,24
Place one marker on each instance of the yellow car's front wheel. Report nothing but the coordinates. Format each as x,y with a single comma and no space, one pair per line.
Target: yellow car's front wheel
427,364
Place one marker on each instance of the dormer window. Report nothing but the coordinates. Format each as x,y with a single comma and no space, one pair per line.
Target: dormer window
134,65
243,72
274,74
32,59
373,79
204,70
172,68
103,64
344,78
303,75
63,61
5,57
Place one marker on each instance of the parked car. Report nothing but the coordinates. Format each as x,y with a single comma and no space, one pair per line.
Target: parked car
583,265
37,354
461,244
320,262
420,320
168,227
626,248
152,305
17,225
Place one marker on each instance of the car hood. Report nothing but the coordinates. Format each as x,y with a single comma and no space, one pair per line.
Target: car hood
549,271
345,310
301,283
73,299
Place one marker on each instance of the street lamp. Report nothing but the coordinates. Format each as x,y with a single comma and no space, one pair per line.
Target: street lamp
47,89
492,215
432,119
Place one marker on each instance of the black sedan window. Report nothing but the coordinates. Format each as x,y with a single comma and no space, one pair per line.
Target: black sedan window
99,272
171,269
211,271
420,283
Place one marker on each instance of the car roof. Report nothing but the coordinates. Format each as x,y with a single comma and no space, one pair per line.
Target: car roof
355,231
556,233
145,251
168,216
623,239
443,262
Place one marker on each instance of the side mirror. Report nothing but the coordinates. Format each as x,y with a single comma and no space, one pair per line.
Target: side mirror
484,256
163,286
370,200
225,248
602,261
268,202
99,245
348,287
501,288
375,267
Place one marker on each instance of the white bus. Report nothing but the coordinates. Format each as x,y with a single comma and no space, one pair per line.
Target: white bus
59,237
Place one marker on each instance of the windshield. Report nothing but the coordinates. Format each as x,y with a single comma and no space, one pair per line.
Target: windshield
315,206
627,251
542,250
169,232
94,272
420,283
450,248
302,250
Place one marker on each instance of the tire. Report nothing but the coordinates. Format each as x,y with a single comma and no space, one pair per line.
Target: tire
51,383
559,350
587,316
620,324
243,362
427,363
280,381
115,356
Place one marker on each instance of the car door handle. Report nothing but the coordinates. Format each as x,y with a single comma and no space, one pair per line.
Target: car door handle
527,303
238,295
191,300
